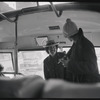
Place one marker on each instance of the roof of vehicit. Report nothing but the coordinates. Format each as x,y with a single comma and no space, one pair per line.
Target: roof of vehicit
59,7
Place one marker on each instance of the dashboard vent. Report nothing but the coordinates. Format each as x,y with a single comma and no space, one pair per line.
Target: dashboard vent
62,42
54,27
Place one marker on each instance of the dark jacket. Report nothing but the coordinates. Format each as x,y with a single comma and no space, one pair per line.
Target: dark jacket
82,66
51,67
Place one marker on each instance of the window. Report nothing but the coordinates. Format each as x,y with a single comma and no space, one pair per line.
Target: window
98,57
31,62
6,61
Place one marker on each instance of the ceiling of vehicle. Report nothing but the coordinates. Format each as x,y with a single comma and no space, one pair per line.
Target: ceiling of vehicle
13,6
37,23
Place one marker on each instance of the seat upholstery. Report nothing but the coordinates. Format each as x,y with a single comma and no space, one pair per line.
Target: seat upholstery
63,89
36,87
24,87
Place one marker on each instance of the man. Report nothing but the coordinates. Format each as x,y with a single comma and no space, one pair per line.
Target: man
81,65
52,67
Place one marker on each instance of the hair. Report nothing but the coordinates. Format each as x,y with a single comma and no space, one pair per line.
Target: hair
47,49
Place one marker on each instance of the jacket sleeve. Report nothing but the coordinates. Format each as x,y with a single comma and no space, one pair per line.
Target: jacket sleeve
86,65
46,70
90,60
69,52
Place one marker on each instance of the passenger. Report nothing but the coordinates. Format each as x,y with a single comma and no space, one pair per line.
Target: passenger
81,65
53,69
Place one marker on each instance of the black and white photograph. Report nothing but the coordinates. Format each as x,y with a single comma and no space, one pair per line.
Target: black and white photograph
49,49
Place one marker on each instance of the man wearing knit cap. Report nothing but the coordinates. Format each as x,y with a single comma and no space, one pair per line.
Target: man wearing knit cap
81,65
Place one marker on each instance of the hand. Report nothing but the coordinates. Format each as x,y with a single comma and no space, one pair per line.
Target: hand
64,62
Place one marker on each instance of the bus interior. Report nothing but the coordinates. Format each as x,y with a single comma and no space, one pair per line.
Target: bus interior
26,26
35,24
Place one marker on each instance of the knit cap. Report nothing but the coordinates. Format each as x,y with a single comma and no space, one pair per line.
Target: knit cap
69,28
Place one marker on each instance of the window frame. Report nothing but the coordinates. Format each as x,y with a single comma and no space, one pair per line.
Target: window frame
11,51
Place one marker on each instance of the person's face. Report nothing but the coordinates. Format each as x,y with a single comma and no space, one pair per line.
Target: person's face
71,39
52,50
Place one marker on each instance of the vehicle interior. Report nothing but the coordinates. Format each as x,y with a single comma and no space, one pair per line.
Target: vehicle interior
24,29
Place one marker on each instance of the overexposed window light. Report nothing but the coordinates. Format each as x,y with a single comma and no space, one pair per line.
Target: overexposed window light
11,4
48,3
